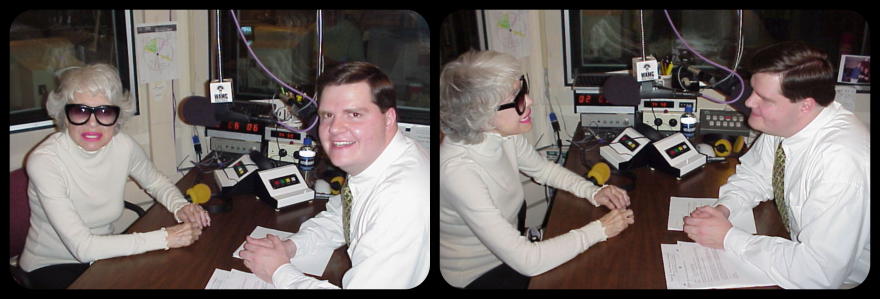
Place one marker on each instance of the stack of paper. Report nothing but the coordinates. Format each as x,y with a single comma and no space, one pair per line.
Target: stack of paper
234,279
692,266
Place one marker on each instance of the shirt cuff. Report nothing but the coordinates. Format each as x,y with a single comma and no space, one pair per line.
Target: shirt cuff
285,275
174,213
593,196
729,205
735,241
155,240
591,234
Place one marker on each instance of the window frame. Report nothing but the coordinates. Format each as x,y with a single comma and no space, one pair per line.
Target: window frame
124,26
233,48
769,18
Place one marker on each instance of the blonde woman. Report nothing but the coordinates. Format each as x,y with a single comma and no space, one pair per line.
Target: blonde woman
484,109
77,180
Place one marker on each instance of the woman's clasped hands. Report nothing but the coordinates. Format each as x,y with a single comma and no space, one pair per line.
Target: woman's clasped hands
616,221
620,217
194,218
183,234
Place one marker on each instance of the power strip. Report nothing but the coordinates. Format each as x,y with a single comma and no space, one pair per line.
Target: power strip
273,149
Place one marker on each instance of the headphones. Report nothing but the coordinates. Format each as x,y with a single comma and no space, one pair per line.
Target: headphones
201,194
722,144
336,184
335,178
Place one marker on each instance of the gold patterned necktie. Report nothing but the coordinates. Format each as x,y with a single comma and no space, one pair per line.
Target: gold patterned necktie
779,185
346,212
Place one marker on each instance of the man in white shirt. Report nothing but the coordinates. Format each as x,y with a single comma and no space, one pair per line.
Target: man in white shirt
389,178
824,178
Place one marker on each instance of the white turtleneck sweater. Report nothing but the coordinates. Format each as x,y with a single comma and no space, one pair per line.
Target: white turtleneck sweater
480,197
76,195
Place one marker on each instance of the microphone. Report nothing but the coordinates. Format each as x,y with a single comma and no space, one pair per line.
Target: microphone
226,112
624,90
199,111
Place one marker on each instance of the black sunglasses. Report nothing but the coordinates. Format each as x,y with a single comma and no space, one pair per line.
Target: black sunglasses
519,102
79,114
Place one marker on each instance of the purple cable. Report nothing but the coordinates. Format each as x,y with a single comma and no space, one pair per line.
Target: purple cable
244,39
741,82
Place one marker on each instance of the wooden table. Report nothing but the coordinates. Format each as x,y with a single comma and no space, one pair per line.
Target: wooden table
191,267
632,259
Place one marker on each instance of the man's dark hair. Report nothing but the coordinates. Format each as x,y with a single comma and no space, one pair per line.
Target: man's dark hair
805,71
381,86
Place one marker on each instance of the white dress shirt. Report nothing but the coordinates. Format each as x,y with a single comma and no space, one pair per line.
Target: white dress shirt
480,198
827,194
390,224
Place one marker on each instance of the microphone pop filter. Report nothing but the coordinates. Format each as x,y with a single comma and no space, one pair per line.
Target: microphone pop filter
198,111
622,90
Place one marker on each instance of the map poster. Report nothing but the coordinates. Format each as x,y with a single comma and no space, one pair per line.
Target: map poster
156,52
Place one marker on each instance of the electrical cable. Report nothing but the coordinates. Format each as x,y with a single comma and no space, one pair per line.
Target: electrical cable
219,49
739,49
742,83
547,95
642,31
320,32
251,51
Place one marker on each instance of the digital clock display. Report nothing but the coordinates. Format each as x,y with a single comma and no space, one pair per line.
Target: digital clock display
659,104
581,99
282,134
241,127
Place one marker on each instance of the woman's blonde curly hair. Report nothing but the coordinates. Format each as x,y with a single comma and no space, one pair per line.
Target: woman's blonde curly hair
97,79
471,88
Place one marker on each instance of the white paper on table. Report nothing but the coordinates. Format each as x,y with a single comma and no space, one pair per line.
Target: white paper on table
673,267
236,280
246,281
690,265
313,264
679,207
218,280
